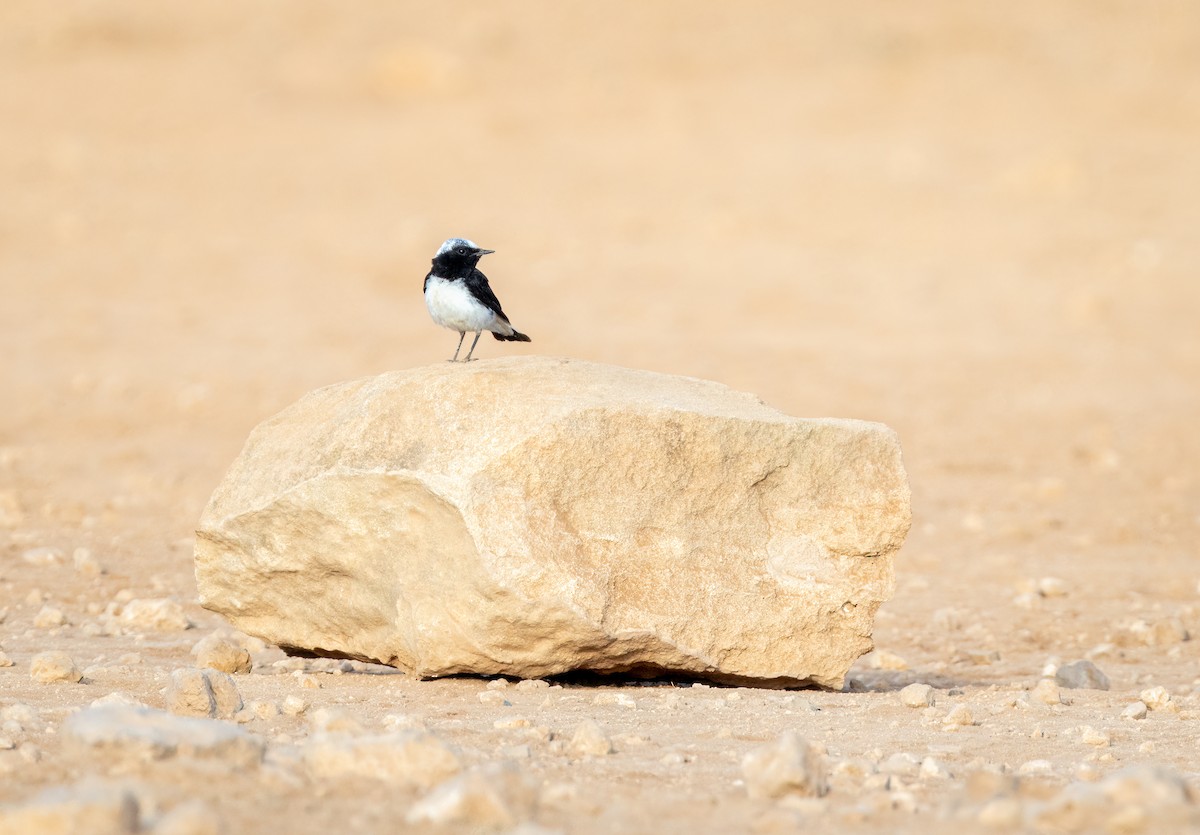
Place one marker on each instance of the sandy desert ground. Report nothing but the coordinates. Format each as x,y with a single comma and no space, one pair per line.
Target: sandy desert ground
976,223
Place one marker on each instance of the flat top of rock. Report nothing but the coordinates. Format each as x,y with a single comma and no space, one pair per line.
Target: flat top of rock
445,416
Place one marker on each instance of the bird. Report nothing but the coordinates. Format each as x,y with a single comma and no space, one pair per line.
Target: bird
459,297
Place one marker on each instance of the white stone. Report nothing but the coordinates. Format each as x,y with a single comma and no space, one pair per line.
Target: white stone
221,652
557,538
495,796
5,661
1135,711
589,739
161,615
1156,698
54,667
293,705
119,733
959,716
193,692
86,809
787,766
49,618
86,564
917,695
334,720
1047,692
1090,736
404,758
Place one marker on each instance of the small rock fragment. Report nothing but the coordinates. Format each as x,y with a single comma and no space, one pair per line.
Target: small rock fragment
590,739
1157,698
159,614
332,720
959,716
882,659
407,758
293,705
496,796
1047,692
219,651
1135,711
193,692
142,734
5,661
52,667
49,618
493,697
46,555
86,565
1090,736
532,684
917,695
87,809
787,766
1081,675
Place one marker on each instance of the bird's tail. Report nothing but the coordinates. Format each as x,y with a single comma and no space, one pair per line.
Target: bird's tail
515,336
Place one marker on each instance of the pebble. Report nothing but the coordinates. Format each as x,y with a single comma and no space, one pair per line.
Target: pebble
139,734
53,667
404,758
219,651
45,555
882,659
92,808
157,614
209,693
116,698
934,769
331,720
5,661
1090,736
86,565
917,695
511,723
1135,711
49,618
493,697
1157,698
494,796
901,764
293,705
589,739
532,684
959,716
403,721
1145,798
1081,674
787,766
1047,692
1035,767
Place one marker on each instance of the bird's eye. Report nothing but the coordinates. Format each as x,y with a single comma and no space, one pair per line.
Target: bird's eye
462,250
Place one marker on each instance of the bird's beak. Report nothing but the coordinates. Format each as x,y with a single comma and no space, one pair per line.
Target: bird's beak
484,251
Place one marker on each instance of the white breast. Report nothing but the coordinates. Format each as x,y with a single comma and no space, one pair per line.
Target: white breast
452,306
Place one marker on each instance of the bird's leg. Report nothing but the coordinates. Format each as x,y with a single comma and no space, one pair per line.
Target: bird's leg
461,336
473,344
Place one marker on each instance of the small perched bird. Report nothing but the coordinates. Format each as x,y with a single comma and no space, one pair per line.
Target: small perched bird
459,297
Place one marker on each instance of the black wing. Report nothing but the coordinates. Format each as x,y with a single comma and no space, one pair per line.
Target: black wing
428,276
477,283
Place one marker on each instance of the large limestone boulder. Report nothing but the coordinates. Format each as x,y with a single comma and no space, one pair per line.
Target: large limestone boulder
534,516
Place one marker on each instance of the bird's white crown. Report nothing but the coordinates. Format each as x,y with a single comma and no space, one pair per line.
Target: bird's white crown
453,242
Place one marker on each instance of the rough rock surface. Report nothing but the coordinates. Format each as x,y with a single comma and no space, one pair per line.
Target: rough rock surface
141,734
534,516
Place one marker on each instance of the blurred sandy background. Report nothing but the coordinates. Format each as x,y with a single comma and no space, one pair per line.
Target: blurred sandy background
977,223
